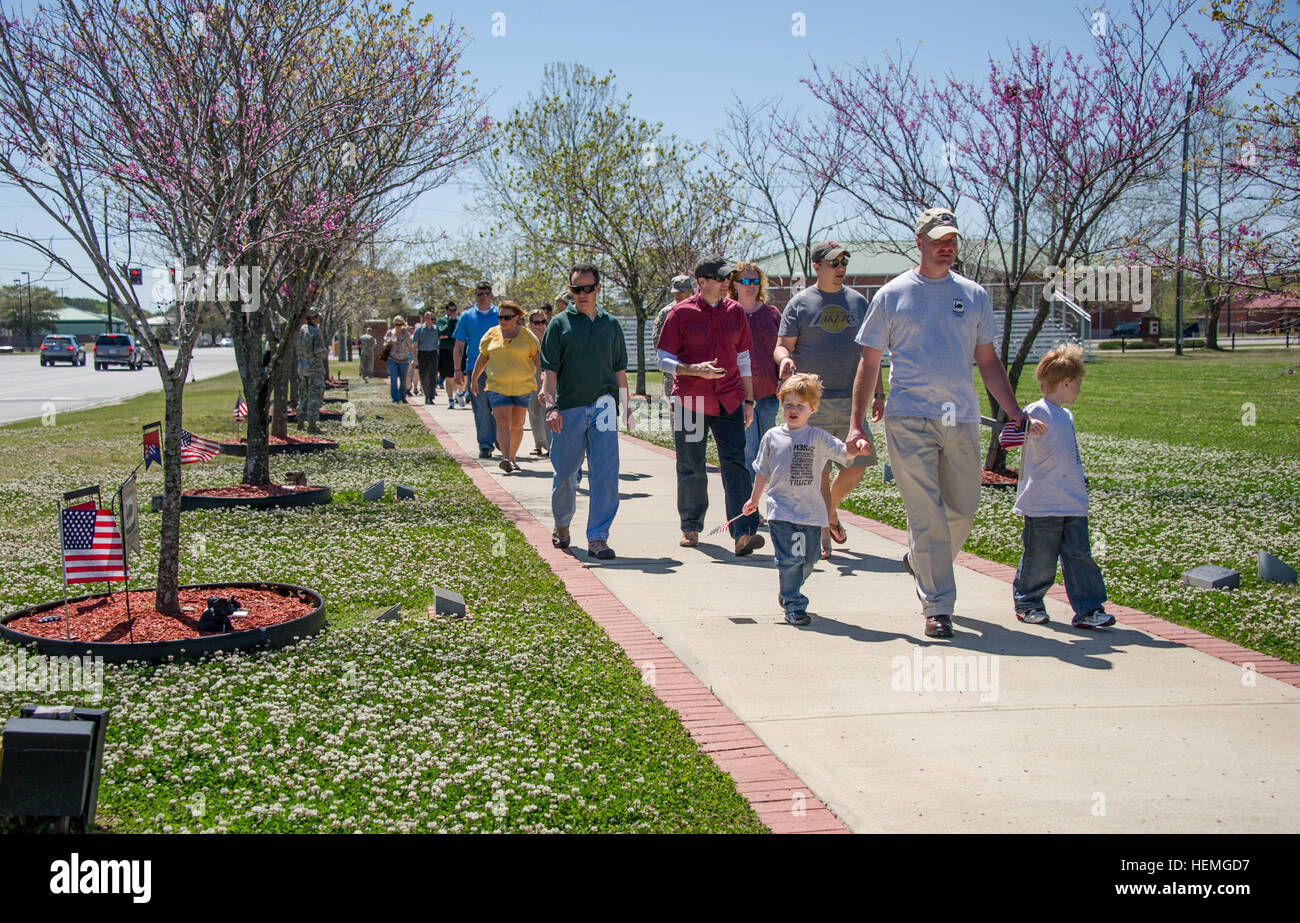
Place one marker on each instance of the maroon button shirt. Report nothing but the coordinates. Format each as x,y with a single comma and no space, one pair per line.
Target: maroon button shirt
763,325
695,332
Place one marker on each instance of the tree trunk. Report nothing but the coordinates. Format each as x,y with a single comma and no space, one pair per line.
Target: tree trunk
1215,307
257,455
167,596
279,415
996,458
639,305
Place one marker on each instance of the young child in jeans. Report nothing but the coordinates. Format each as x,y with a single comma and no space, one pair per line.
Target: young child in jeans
1053,498
787,473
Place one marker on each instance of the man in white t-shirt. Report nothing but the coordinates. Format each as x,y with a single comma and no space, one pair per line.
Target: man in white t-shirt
935,324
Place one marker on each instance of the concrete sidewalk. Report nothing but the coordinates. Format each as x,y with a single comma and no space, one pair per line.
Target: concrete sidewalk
1004,728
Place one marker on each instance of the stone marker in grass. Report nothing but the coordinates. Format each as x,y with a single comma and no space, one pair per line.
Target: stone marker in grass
404,492
448,603
390,615
1275,570
374,492
389,444
1212,577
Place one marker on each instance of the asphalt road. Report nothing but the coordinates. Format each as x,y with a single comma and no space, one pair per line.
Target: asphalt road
27,390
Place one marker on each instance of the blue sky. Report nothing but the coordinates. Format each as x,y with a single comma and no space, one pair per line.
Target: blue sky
681,61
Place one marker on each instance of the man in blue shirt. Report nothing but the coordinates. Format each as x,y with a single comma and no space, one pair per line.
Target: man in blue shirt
469,330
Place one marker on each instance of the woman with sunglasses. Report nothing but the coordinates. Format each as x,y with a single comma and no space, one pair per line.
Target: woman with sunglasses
398,338
749,286
511,356
537,320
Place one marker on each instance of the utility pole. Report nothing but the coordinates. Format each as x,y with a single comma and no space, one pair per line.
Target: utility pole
1198,80
31,320
108,284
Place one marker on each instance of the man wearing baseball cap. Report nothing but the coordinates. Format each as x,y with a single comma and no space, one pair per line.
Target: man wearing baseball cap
311,371
935,324
681,288
816,335
705,346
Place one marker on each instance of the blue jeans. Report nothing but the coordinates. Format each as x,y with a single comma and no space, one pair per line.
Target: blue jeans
485,424
397,379
764,419
692,480
590,431
1047,538
796,549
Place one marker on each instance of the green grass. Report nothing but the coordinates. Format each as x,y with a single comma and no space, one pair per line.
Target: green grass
1180,474
524,717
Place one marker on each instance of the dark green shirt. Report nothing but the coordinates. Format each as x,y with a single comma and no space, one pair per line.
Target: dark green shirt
584,355
446,327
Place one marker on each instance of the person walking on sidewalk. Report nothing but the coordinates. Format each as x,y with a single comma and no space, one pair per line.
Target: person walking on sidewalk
469,332
425,336
817,335
786,477
1053,498
934,323
366,346
537,321
749,288
584,380
681,288
311,372
447,352
508,358
705,347
398,340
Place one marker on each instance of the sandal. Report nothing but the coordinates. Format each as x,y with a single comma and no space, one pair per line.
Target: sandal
842,537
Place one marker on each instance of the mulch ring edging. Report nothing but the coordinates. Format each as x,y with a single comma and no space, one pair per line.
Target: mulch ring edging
294,445
1002,479
259,496
292,415
278,614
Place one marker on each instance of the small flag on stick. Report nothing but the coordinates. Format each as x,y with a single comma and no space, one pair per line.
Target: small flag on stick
241,408
1012,435
196,448
726,525
92,546
152,445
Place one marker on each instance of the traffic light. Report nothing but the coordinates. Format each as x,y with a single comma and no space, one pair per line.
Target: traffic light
136,276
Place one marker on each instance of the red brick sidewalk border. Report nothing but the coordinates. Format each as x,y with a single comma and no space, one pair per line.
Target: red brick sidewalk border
783,803
1282,670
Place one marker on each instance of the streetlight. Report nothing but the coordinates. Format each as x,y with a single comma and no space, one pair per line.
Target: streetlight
1200,81
30,318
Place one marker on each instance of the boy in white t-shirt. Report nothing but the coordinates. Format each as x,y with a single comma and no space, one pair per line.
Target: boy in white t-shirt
1053,498
787,474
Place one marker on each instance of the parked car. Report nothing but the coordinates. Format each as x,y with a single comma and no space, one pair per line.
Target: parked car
117,349
62,347
225,341
1126,330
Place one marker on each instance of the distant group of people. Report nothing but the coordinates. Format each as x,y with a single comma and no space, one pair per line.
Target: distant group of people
787,395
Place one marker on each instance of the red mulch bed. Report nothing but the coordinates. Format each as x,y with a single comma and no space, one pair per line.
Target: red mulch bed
1006,477
244,491
292,440
103,618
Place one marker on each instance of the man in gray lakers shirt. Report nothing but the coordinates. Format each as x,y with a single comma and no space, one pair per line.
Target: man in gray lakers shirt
935,324
817,335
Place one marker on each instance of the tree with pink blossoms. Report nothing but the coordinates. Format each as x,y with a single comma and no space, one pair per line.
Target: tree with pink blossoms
249,144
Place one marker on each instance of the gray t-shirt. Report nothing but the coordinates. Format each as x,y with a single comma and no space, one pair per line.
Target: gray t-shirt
930,328
825,324
425,338
792,461
1051,472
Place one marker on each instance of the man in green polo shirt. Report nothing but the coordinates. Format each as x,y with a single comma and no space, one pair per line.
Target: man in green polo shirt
584,379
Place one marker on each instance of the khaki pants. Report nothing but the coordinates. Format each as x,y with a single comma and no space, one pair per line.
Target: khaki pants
937,469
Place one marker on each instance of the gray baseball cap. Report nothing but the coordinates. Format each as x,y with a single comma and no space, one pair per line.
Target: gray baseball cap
825,250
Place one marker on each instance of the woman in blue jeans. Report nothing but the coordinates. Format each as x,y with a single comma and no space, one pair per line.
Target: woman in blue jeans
399,357
749,286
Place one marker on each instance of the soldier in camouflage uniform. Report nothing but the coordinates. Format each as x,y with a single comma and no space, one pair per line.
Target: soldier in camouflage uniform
311,372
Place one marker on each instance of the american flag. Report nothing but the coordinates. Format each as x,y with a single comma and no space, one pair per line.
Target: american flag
1012,435
241,408
726,525
92,546
196,448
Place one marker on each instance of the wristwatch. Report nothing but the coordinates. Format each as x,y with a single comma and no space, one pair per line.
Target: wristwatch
879,394
750,403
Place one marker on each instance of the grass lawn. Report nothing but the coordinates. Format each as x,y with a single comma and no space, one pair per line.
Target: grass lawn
1182,472
524,717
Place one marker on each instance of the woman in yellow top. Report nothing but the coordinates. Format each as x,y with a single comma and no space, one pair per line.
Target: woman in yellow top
511,355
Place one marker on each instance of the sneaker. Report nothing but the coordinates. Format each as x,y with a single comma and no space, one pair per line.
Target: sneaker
908,564
1097,618
600,551
484,453
560,537
1033,616
797,618
939,626
451,404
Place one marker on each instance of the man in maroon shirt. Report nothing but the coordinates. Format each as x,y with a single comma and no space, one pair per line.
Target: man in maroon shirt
705,345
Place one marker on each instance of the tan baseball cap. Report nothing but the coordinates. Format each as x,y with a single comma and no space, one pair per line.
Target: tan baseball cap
936,222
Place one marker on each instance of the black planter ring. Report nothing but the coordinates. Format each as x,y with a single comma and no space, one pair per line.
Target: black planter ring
312,497
288,448
271,636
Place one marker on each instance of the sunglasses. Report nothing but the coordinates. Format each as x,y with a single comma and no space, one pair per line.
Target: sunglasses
507,317
748,281
842,261
483,291
583,289
540,322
